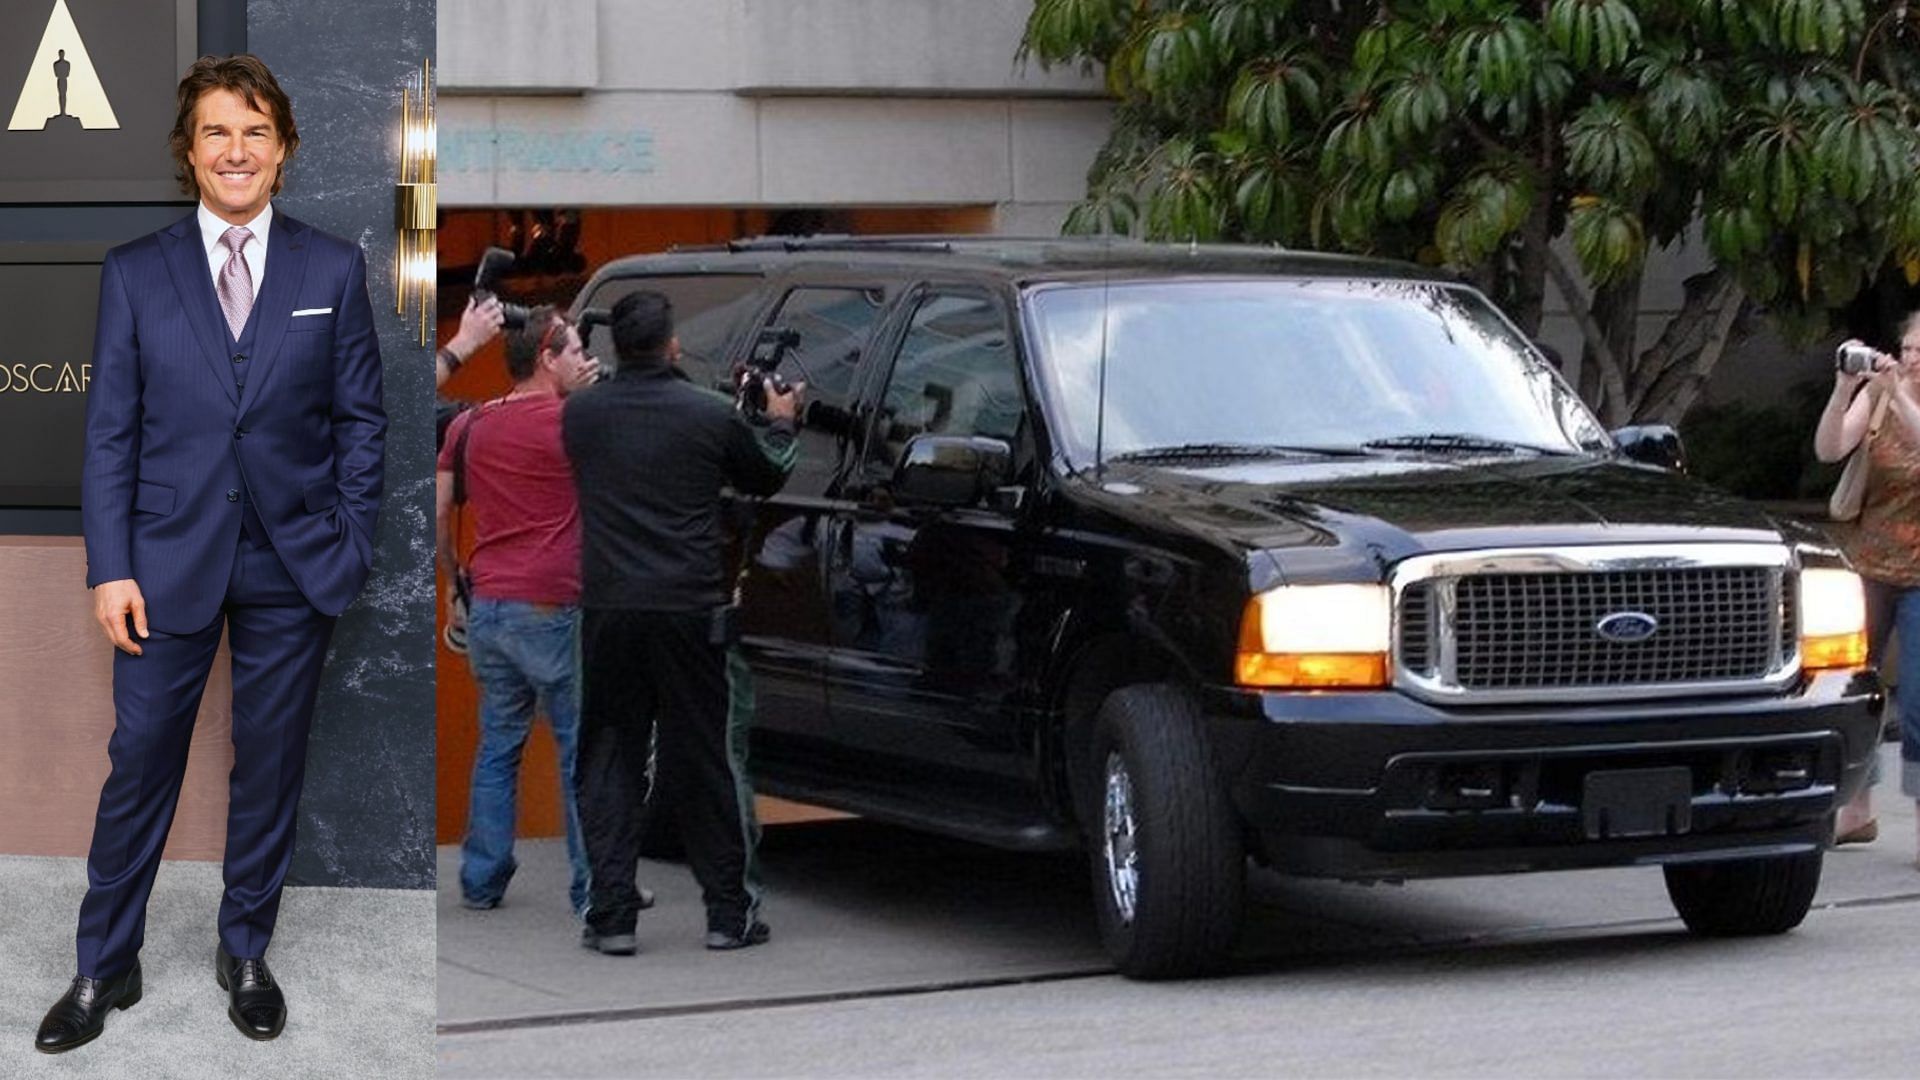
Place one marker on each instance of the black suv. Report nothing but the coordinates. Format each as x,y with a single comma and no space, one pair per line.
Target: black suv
1191,554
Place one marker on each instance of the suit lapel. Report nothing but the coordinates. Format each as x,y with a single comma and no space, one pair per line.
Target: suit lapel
273,308
193,282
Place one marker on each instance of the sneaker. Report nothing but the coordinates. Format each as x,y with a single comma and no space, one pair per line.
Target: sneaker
476,903
756,933
608,944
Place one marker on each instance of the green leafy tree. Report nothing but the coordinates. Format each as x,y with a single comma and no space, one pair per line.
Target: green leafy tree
1472,133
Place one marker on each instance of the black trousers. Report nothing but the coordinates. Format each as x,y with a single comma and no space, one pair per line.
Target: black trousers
655,685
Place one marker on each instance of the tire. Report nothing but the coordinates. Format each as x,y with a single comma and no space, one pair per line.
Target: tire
1159,799
1744,897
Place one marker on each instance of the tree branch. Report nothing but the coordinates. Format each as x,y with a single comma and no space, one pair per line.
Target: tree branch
1733,299
1683,336
1613,396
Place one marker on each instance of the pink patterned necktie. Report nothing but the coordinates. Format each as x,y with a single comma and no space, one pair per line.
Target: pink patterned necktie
236,281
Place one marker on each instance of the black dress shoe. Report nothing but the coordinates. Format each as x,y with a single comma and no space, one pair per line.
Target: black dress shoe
81,1014
254,1002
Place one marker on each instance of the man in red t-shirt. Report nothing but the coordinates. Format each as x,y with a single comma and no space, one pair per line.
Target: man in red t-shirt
523,622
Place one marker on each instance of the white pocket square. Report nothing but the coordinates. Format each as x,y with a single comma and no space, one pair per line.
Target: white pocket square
312,311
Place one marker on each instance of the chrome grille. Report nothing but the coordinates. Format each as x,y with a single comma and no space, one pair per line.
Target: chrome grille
1789,619
1524,624
1527,631
1417,629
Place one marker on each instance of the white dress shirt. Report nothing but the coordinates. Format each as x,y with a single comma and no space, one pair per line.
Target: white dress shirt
213,227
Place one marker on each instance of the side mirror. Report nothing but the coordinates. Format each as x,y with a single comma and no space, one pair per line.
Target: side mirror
1653,444
950,470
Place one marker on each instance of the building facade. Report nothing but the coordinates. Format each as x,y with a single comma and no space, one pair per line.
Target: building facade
829,105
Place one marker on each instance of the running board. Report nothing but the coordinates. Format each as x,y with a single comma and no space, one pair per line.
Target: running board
1001,831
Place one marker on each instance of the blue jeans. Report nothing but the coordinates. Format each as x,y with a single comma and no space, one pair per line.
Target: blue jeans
1890,608
523,656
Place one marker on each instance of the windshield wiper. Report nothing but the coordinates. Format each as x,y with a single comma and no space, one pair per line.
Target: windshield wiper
1456,441
1212,451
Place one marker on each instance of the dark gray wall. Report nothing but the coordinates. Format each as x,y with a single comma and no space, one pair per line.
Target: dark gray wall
367,816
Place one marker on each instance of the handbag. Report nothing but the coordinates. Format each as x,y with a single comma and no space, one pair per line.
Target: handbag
1851,491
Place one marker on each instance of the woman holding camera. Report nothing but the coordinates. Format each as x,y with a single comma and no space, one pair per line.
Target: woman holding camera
1885,548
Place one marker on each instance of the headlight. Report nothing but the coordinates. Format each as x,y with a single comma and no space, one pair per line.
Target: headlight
1833,619
1315,637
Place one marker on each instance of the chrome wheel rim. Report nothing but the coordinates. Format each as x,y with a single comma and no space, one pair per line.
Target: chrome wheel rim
1122,851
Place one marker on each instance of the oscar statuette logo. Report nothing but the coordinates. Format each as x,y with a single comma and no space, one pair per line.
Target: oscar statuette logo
61,88
44,378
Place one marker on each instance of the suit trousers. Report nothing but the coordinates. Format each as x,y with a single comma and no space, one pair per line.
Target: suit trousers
656,691
278,642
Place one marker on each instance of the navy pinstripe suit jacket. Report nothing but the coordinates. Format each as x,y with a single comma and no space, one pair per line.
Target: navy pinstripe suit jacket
169,437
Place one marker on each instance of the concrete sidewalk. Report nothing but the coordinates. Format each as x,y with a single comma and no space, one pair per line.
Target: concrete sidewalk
860,909
357,966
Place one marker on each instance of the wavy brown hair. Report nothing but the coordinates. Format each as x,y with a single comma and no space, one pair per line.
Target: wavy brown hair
247,76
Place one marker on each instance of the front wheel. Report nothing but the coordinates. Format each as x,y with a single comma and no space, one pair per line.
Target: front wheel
1744,897
1169,864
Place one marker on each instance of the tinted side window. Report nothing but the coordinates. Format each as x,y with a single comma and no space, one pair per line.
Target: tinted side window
955,374
834,325
707,309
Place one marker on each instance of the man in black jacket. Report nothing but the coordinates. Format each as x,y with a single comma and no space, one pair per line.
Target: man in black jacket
651,452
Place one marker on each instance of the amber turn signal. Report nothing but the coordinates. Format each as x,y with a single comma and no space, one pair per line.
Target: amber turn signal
1833,651
1312,671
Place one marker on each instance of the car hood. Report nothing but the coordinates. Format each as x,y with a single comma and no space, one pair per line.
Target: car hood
1348,518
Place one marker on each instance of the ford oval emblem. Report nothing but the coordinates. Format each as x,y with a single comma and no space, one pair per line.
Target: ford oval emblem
1627,627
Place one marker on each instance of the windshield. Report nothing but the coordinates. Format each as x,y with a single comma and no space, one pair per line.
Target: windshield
1336,365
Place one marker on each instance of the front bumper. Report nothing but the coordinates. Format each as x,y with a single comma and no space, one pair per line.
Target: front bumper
1380,785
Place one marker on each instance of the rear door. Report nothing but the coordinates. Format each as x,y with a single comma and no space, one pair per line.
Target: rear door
923,676
785,615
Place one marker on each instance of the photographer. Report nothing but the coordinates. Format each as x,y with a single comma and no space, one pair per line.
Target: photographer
1880,406
651,453
504,459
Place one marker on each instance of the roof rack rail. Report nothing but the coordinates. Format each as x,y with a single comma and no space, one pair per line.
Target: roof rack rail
917,242
922,243
838,242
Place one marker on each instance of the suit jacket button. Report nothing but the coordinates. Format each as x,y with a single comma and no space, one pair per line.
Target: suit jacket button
233,494
237,357
239,431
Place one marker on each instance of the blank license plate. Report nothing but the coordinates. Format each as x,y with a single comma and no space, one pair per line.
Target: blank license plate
1622,803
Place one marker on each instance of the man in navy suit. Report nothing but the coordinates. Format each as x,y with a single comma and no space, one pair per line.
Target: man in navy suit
235,440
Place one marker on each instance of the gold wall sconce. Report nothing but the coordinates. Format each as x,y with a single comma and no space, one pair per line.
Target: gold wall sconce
416,202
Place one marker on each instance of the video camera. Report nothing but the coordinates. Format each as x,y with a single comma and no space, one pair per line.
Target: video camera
590,318
1856,359
494,263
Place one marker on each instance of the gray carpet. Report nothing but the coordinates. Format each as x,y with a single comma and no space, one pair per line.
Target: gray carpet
357,966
